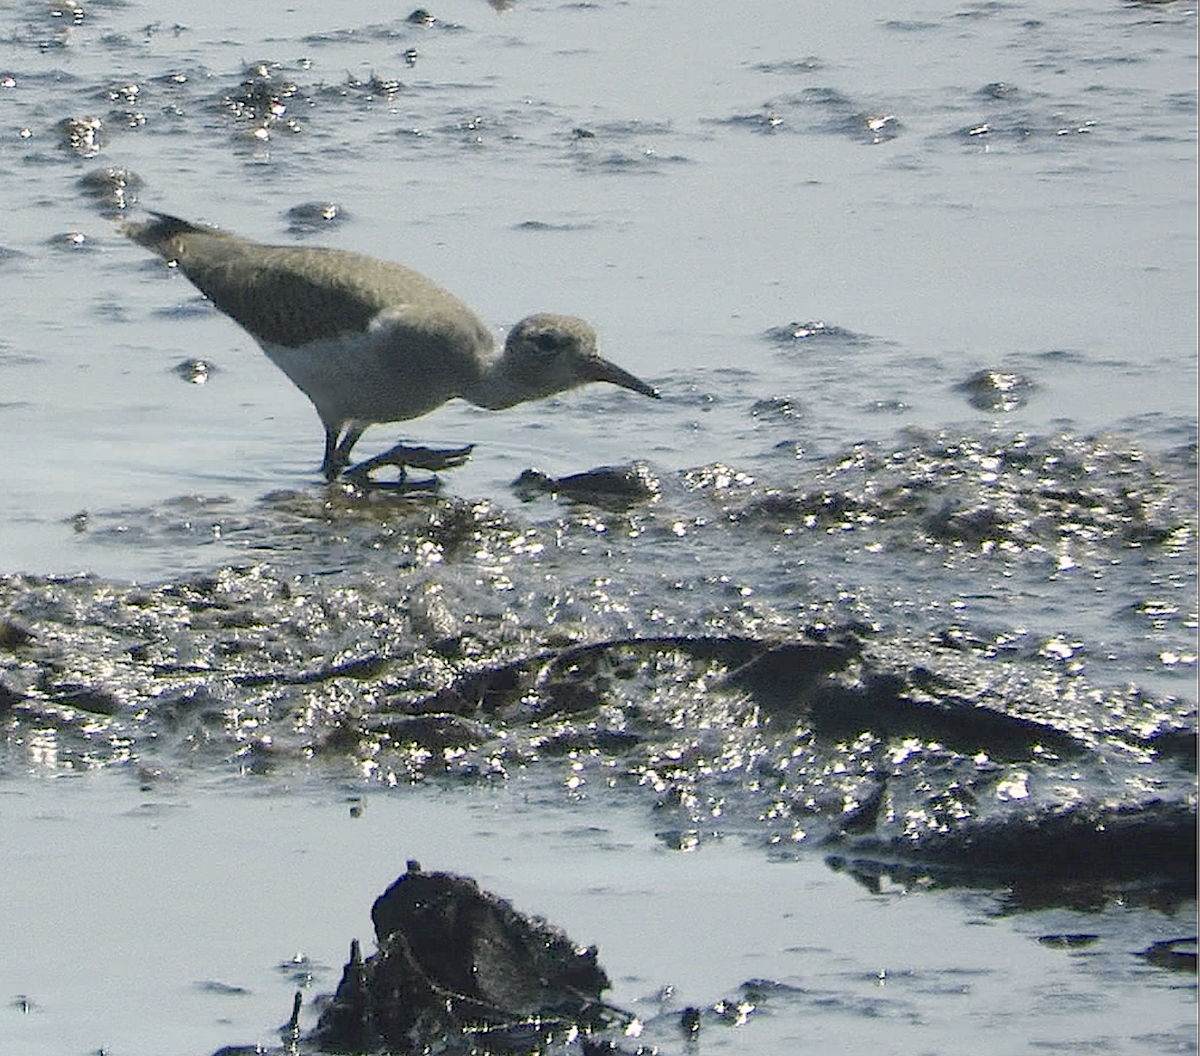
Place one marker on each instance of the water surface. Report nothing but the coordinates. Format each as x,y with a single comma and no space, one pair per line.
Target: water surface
918,287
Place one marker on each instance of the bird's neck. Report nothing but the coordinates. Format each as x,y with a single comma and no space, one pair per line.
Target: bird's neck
496,389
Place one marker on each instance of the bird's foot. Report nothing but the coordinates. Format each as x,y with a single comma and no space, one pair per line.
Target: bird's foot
404,457
429,459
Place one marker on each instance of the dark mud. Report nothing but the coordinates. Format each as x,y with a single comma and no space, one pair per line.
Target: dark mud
886,715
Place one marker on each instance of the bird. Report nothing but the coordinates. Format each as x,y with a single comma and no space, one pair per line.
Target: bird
371,341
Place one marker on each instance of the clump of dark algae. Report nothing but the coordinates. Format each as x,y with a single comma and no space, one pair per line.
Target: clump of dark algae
457,970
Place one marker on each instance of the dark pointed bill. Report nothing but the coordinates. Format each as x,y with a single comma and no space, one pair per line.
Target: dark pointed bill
603,370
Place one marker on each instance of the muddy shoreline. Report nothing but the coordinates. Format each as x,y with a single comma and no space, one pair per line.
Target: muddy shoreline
402,638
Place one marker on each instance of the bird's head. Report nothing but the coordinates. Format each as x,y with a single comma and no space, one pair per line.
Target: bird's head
548,353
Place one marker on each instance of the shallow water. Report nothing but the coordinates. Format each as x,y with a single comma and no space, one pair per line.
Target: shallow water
919,291
222,903
1029,208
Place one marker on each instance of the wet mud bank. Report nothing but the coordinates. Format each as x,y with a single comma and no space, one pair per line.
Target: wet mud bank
821,666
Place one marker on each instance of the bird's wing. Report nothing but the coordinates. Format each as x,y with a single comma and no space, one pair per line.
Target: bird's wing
293,295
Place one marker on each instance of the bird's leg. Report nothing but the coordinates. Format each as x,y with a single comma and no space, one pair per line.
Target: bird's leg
329,466
337,452
403,456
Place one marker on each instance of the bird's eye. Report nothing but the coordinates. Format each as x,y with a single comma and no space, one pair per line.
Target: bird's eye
547,341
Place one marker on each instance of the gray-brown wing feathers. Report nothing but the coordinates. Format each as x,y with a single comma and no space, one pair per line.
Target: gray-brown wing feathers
293,295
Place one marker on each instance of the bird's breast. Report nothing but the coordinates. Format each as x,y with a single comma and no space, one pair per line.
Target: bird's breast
381,374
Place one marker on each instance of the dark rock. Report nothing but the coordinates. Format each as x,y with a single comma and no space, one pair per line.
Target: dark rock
1166,954
786,673
13,635
996,390
793,333
1071,941
1150,844
454,960
433,731
194,371
95,700
611,487
793,680
308,217
1089,841
9,697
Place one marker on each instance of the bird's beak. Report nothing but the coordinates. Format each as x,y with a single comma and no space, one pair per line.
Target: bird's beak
603,370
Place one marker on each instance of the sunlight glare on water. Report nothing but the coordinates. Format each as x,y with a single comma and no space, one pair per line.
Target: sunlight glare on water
918,290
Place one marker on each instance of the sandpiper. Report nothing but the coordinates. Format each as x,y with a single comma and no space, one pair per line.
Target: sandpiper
369,340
